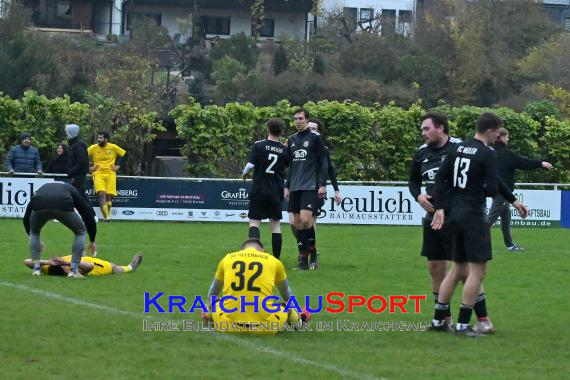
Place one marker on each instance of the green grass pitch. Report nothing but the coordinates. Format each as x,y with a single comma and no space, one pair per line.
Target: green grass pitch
52,327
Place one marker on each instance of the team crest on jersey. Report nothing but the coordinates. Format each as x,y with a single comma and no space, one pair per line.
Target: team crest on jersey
301,153
306,144
431,174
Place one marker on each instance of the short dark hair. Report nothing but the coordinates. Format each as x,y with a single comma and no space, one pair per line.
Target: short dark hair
56,270
250,242
488,120
303,111
320,125
438,119
105,134
276,126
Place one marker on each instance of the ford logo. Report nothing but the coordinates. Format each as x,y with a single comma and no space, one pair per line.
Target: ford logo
128,212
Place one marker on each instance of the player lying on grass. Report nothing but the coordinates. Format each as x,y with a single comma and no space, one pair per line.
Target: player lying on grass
251,273
89,266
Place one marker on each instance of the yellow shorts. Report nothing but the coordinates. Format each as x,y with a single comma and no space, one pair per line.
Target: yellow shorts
100,267
106,182
270,326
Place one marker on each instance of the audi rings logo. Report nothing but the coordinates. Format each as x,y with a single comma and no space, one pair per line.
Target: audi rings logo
162,213
128,212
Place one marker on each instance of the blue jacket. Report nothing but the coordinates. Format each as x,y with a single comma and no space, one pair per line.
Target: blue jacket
20,159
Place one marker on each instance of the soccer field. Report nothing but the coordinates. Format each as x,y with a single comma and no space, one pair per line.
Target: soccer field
53,327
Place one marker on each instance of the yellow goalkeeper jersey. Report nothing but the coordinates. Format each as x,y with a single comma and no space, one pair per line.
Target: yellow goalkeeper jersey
249,273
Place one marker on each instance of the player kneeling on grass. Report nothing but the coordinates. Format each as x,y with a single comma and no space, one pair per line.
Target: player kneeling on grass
88,266
249,274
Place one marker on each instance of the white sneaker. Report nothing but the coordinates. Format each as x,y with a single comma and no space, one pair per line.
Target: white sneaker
36,272
75,275
484,327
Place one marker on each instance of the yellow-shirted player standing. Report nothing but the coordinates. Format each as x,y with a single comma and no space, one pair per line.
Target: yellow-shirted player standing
251,273
106,158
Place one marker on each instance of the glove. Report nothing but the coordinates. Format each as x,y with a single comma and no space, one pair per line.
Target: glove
305,316
206,317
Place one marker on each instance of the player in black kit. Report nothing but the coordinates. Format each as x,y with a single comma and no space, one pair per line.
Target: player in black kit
268,159
467,176
306,182
436,246
317,125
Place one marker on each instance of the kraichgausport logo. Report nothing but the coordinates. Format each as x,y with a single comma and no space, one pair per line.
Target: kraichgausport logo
335,303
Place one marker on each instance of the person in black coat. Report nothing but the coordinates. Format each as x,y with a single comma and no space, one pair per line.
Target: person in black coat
507,163
60,160
78,162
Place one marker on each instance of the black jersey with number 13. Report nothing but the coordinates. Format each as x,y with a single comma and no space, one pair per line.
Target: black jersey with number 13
470,171
270,160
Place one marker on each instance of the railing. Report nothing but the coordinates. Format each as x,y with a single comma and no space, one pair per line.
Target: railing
554,186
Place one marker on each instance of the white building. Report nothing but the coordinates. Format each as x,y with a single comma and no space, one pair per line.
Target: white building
396,14
216,18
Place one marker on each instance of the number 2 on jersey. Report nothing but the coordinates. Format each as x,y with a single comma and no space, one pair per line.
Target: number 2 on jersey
460,168
239,284
273,158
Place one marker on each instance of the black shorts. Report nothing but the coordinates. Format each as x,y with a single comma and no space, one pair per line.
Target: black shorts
303,200
321,203
471,241
264,207
437,245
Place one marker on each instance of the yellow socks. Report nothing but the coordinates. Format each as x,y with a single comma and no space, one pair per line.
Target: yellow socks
105,211
127,268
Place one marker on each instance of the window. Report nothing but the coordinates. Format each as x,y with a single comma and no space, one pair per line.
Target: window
366,14
350,16
388,20
567,24
405,23
215,25
143,17
63,9
268,28
405,16
4,6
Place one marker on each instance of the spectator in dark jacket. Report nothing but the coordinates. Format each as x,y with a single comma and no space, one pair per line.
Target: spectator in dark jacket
507,163
59,161
24,158
78,162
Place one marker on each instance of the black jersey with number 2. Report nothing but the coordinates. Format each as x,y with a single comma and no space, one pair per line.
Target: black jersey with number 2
470,171
270,160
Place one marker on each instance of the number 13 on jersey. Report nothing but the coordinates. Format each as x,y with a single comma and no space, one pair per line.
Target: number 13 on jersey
460,171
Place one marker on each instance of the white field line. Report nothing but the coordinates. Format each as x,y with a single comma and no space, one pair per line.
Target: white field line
239,341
